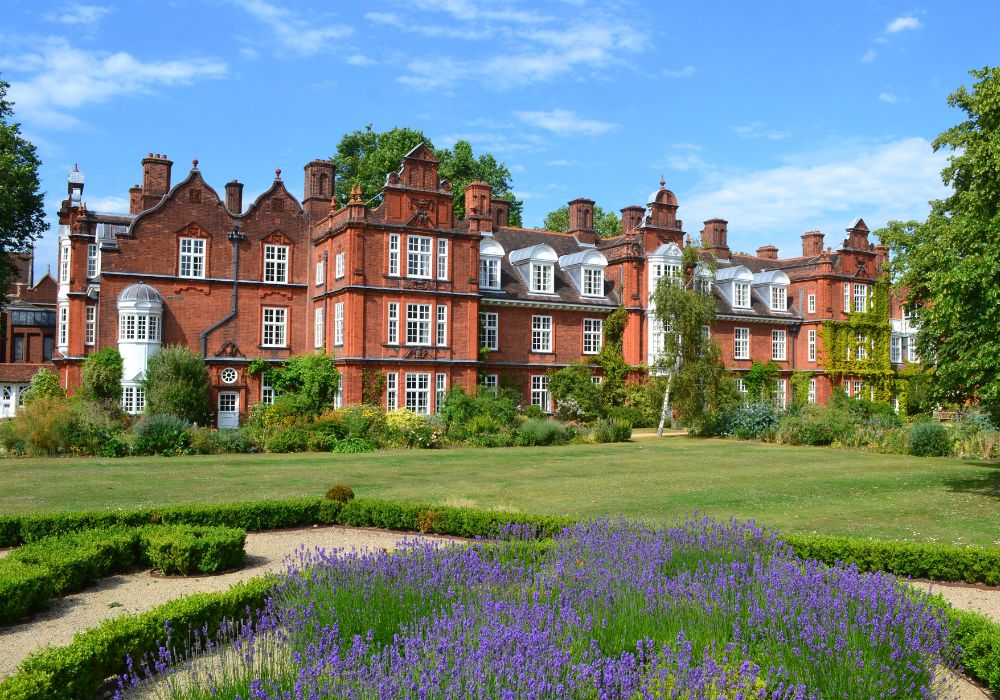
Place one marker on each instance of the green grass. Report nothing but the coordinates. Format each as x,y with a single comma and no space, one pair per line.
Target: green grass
795,489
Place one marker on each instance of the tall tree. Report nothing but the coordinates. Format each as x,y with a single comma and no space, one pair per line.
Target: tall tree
365,156
176,384
947,266
606,223
22,212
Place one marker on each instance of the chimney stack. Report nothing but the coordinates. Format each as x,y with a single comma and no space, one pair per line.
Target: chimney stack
812,243
155,179
713,238
478,198
857,236
501,213
234,197
632,218
318,189
581,220
135,199
768,252
881,256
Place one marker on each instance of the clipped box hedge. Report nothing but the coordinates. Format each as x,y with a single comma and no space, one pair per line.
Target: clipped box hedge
192,549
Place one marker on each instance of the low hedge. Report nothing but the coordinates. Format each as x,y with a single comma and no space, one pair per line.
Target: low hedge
978,639
191,549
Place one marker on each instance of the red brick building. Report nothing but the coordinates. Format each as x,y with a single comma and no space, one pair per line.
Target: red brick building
408,299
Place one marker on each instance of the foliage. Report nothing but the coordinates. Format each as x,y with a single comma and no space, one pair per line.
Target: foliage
606,223
289,438
372,387
946,265
22,205
310,380
930,439
354,445
460,167
209,441
176,384
102,375
187,550
575,383
408,429
258,365
44,385
815,425
612,360
159,434
542,431
759,380
491,413
753,421
643,402
612,430
342,493
978,639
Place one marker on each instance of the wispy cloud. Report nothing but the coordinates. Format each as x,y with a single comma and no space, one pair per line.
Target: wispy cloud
685,72
77,14
901,24
869,56
565,122
888,97
489,142
60,78
759,130
357,59
685,156
561,163
295,35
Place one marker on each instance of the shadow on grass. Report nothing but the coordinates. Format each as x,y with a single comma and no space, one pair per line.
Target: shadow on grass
985,482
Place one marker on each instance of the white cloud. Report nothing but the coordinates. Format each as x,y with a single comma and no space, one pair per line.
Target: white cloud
685,156
117,205
565,122
759,130
357,59
485,142
685,72
78,14
869,56
903,23
561,163
467,10
893,180
295,35
61,78
888,97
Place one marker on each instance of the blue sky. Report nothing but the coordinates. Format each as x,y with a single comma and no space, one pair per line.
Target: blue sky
781,117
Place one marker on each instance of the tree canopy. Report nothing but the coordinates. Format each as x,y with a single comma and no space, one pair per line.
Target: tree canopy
22,209
947,266
102,375
365,156
176,384
606,223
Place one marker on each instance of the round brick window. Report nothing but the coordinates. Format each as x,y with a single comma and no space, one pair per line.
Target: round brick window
229,375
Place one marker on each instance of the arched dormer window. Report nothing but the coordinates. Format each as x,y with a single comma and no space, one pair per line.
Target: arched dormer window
735,284
665,261
490,255
586,269
703,277
537,266
773,286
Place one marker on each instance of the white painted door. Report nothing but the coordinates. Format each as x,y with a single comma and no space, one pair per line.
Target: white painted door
8,401
229,410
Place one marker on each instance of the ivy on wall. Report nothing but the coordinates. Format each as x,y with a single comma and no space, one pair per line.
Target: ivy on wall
611,358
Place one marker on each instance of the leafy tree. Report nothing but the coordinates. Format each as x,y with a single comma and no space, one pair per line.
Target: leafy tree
606,223
365,156
45,385
176,384
312,381
697,382
759,380
574,383
102,375
22,209
947,265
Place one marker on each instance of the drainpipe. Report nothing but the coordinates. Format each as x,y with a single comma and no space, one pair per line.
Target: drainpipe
235,238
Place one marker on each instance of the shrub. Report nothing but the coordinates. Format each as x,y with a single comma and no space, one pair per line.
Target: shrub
176,384
753,420
405,428
24,588
102,375
342,493
542,432
612,430
929,439
160,434
354,445
573,386
189,549
814,425
367,422
294,438
643,401
44,385
209,441
310,381
498,405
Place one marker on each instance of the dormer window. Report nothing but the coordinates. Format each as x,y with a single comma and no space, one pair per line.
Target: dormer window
586,270
593,282
735,283
741,299
541,278
490,255
537,267
772,285
779,298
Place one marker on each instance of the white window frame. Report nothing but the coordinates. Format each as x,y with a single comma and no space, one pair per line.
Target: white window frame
540,392
489,273
741,386
392,324
857,388
593,282
276,263
440,389
911,350
274,327
153,328
338,324
593,335
90,326
860,297
741,295
811,344
418,256
541,334
489,330
418,324
63,329
780,394
779,298
441,326
320,272
417,392
491,381
266,389
811,398
847,297
896,349
542,278
861,352
442,259
741,343
811,303
394,255
192,255
319,327
706,332
779,345
339,265
92,267
126,327
64,259
391,391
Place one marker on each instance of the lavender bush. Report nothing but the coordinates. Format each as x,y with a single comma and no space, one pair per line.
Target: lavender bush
608,609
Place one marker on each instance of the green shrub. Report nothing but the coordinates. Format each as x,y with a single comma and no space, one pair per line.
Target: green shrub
24,588
978,639
44,385
102,375
612,430
360,421
753,420
814,425
160,434
342,493
320,442
354,445
308,381
293,438
576,396
176,384
542,432
408,429
209,441
190,549
930,439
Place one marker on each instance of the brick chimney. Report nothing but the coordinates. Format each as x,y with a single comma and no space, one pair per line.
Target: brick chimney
581,220
812,243
857,236
881,256
135,199
234,197
478,197
318,188
501,213
155,179
713,238
632,218
768,252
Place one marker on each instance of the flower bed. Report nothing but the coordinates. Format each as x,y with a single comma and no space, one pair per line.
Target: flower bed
608,609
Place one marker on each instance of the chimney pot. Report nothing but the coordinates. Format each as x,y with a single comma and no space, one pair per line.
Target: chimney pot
581,220
768,252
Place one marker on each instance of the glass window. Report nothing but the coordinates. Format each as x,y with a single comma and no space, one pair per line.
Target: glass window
741,343
393,325
90,329
154,327
418,256
895,349
338,324
418,324
540,392
541,278
340,262
779,298
319,328
275,320
860,297
593,282
742,295
91,260
266,389
489,273
229,375
490,381
276,263
64,253
442,325
442,259
777,345
63,329
593,329
811,347
847,297
488,330
862,349
393,253
812,391
440,389
320,273
18,348
418,390
780,392
741,386
48,343
811,303
541,334
192,257
391,391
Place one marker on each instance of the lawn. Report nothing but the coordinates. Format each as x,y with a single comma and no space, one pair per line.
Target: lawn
795,489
